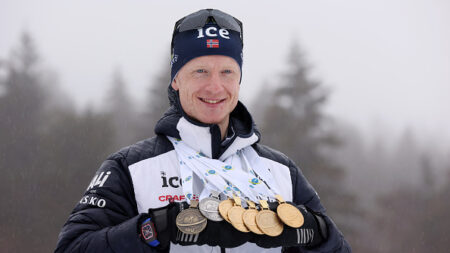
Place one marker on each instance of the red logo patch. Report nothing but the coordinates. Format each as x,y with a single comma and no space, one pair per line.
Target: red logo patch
170,198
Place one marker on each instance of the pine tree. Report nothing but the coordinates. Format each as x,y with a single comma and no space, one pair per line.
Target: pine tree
294,122
120,108
45,151
22,103
156,103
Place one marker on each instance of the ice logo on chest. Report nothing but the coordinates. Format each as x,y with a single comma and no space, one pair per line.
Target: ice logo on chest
173,182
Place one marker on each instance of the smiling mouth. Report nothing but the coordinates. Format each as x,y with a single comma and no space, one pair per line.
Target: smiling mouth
211,101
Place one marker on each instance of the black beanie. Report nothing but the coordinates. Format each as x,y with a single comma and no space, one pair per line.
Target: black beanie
209,40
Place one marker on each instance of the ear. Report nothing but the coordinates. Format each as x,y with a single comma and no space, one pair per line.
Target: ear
175,84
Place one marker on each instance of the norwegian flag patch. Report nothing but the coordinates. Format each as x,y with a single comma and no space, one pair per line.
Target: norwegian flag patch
211,43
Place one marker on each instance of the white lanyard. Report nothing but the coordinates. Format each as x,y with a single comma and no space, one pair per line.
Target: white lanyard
195,162
227,177
262,181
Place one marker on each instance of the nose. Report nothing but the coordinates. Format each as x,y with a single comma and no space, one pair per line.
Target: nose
215,84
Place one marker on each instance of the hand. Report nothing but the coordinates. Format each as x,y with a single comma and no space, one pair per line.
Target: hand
216,233
155,226
220,233
309,234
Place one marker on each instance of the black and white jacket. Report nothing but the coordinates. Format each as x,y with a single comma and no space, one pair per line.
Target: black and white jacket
146,175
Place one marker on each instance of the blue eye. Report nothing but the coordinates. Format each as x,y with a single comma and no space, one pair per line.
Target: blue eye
227,71
200,71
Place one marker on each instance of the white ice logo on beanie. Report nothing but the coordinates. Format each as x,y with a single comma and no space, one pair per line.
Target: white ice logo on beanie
212,32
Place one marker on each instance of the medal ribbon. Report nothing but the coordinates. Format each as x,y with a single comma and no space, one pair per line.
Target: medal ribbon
263,181
227,177
193,162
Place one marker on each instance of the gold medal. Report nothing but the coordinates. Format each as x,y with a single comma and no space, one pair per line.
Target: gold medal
235,215
191,221
289,214
224,206
268,221
249,218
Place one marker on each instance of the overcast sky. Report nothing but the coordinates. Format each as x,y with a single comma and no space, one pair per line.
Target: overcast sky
387,62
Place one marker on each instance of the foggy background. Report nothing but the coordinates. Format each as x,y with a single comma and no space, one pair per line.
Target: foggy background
356,92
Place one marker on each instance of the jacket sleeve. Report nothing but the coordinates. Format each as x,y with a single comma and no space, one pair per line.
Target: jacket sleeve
106,218
304,194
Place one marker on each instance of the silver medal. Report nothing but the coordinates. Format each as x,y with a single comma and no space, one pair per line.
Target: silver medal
209,207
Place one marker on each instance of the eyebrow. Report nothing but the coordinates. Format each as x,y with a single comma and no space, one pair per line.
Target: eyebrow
200,65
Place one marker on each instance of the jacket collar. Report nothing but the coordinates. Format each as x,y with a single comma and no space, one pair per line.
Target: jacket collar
206,137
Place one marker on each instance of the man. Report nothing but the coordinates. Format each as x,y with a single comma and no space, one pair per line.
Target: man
144,198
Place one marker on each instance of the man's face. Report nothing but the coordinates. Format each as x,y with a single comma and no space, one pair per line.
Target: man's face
209,88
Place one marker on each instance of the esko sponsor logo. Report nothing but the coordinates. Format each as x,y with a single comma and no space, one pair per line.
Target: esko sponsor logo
174,182
93,201
99,180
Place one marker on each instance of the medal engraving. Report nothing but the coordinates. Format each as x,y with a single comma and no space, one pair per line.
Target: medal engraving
249,218
224,206
289,214
209,207
191,221
268,221
235,215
